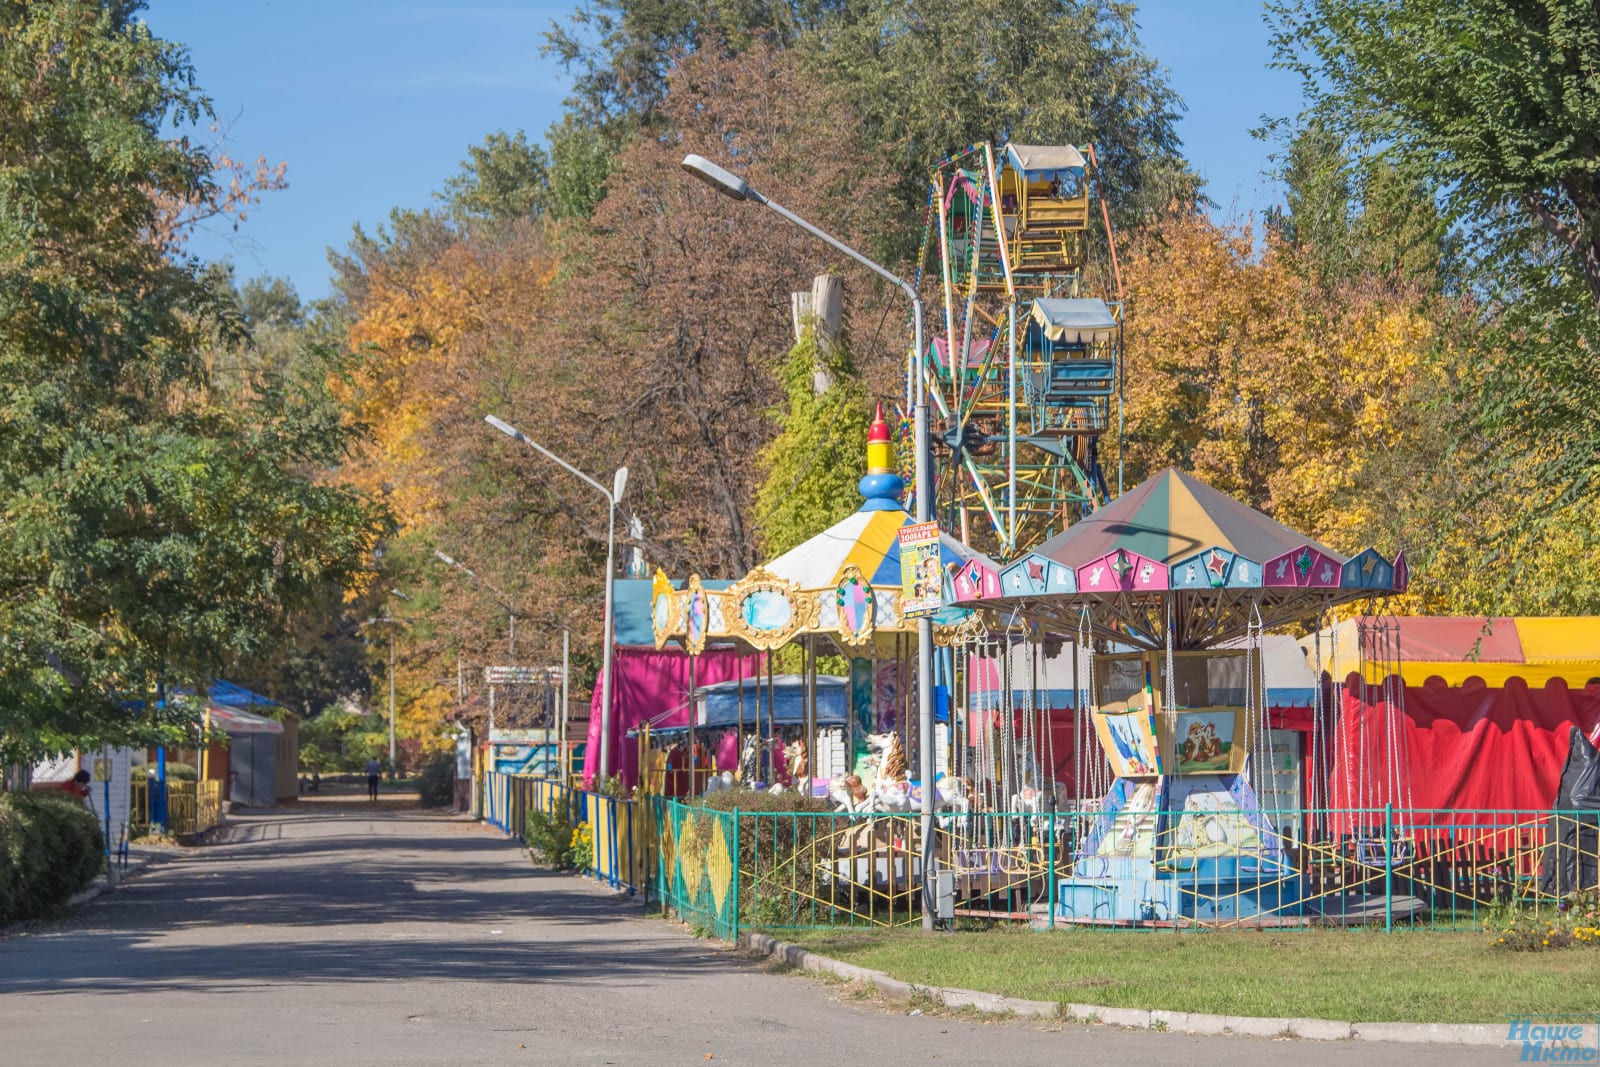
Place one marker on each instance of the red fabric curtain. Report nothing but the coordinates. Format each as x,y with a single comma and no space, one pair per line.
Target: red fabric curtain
1463,748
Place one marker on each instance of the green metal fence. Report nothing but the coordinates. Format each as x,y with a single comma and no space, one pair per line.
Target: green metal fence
697,870
1374,868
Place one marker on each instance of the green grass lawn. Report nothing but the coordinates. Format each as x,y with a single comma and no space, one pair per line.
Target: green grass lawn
1359,976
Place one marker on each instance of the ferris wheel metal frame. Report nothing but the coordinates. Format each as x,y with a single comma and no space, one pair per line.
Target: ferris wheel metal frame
1036,379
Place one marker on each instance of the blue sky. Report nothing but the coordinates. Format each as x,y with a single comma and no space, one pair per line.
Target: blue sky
373,104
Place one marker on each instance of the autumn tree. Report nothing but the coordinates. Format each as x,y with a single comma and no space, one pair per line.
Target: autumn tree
676,310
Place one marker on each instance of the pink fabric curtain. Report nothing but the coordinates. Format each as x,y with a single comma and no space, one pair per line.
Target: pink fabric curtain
653,686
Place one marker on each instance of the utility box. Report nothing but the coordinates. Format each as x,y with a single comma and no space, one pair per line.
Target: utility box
944,895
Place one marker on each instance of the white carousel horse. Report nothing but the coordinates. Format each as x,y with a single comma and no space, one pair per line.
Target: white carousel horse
953,795
718,783
847,792
890,796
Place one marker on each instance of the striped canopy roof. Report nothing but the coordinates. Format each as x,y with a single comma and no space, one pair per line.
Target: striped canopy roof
869,540
1170,517
1174,559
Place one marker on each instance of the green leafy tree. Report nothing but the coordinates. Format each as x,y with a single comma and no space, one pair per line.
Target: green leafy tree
503,178
149,529
931,79
1496,105
810,469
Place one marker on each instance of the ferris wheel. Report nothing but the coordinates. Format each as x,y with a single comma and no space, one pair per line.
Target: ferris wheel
1024,370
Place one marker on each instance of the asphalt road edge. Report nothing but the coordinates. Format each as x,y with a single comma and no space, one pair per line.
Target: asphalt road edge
1482,1034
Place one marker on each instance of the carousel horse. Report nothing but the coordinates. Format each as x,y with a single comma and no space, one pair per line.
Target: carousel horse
718,783
750,756
890,796
954,795
796,760
848,793
888,756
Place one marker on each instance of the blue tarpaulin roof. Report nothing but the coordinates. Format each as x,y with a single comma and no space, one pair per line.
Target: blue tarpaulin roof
717,706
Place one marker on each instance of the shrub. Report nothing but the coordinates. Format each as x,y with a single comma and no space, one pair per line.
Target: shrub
436,782
582,851
778,854
1575,921
50,848
549,837
176,772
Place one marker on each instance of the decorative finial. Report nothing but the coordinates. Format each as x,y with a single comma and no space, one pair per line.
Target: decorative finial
882,487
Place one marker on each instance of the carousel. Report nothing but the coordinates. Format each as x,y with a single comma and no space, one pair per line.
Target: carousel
1167,592
841,595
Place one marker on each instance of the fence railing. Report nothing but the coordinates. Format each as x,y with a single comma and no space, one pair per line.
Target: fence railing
192,807
621,831
1380,868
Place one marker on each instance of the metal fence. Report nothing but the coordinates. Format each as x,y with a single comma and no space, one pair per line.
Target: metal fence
1376,868
192,807
620,831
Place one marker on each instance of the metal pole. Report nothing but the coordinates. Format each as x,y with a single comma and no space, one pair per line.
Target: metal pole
561,733
609,638
391,703
924,493
1011,430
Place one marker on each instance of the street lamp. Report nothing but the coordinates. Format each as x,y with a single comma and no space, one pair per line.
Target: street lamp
391,622
731,184
619,484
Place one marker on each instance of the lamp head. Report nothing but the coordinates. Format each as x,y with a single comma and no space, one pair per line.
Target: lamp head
442,558
504,427
722,180
619,484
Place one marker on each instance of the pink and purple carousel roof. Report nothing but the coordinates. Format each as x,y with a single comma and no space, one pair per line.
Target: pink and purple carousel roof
1175,547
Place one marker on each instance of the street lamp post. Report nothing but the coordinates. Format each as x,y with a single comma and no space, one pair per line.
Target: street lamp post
736,187
619,485
391,622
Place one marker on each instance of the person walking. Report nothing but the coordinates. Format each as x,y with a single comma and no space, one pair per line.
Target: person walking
374,770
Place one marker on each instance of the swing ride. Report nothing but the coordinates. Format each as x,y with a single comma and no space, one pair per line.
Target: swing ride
1168,591
1025,374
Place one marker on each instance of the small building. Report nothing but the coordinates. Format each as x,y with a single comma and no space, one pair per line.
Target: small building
262,759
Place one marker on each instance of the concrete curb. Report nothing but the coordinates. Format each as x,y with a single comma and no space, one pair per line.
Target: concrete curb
1481,1034
136,865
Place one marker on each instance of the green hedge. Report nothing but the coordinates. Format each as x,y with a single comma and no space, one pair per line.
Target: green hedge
50,848
176,772
436,781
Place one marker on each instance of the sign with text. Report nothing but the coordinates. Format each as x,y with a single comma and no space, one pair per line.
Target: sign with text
521,675
921,579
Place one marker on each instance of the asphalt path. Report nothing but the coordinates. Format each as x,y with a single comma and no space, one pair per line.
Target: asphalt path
345,934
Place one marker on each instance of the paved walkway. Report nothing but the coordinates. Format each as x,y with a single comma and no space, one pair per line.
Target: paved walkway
347,935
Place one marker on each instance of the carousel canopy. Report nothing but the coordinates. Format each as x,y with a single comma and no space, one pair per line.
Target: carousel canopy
1170,517
1173,554
845,583
869,541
